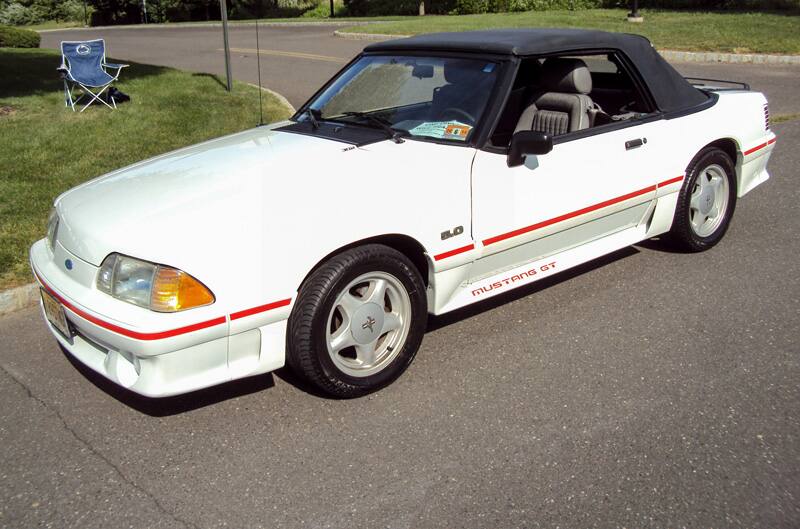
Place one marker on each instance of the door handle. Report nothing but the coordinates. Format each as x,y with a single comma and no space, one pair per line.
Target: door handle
632,144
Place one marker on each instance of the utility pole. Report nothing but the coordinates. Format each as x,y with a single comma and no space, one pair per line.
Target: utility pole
144,10
333,11
223,10
634,15
85,15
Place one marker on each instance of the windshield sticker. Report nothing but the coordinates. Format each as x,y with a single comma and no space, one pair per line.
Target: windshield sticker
446,130
456,131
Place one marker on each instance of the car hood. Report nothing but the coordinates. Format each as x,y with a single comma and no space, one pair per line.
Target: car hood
164,208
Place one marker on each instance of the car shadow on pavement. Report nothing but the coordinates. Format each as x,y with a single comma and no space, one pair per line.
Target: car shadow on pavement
180,403
230,390
287,375
659,244
437,322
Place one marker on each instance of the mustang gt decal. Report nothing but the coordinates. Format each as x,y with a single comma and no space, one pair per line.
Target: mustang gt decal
513,279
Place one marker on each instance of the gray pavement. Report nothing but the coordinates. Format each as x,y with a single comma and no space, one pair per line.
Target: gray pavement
295,61
649,389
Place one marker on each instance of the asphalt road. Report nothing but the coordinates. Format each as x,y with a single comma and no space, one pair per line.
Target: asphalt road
295,61
650,389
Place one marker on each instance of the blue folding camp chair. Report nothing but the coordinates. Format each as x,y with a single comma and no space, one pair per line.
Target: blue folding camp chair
83,65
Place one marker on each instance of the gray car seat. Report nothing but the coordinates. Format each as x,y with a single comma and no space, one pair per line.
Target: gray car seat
561,104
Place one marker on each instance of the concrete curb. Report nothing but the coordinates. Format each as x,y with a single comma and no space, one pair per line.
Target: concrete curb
670,55
367,36
281,99
731,58
334,23
18,298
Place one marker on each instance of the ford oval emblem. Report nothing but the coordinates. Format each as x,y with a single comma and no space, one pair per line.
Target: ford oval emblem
68,264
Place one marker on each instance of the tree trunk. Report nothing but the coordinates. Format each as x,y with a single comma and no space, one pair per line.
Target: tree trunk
422,8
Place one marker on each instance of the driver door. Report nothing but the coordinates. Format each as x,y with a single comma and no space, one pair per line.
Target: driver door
582,190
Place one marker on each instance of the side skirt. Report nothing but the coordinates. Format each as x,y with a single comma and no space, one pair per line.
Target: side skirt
471,292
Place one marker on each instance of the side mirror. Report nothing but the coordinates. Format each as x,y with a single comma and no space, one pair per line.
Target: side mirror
527,142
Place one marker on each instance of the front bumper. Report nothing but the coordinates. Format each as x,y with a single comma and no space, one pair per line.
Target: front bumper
155,360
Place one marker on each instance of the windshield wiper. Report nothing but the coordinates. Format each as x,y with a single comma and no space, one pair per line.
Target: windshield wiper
394,134
313,116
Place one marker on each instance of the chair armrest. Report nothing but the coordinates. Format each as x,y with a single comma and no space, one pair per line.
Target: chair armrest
117,66
63,70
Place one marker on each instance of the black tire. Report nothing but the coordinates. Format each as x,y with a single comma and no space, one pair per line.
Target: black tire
307,347
683,235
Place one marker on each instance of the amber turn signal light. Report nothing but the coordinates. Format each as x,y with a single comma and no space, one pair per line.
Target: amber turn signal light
175,290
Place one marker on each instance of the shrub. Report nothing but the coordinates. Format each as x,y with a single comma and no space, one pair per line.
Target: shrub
71,10
371,8
16,14
18,38
323,9
468,7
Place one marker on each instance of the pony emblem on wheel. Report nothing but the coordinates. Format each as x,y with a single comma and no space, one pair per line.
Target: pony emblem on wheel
368,324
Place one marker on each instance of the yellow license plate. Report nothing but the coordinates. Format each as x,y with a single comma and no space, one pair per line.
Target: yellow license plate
55,313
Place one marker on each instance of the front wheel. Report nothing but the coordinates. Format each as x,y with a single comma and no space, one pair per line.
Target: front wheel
358,321
706,202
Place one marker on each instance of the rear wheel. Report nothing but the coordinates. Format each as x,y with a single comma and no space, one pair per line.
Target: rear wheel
706,202
358,321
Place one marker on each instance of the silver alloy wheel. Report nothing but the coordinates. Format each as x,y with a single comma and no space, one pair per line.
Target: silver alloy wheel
368,324
708,204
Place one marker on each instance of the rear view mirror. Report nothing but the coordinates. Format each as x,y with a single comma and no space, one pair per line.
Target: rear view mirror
422,71
527,142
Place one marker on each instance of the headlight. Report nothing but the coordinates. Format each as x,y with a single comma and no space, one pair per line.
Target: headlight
52,228
152,286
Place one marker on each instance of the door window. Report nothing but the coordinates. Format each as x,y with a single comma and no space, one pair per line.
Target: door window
562,95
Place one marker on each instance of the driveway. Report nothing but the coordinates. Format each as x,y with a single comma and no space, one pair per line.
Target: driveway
295,61
647,389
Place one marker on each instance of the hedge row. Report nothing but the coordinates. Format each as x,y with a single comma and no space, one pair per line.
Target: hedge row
465,7
18,38
459,7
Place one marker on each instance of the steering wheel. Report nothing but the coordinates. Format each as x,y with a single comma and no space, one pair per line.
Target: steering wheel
627,107
462,113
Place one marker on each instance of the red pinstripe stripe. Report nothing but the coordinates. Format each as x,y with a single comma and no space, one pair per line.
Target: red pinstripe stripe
670,181
162,334
451,253
127,332
758,147
262,308
567,216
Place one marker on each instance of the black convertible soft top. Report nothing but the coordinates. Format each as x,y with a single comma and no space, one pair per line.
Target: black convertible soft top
670,91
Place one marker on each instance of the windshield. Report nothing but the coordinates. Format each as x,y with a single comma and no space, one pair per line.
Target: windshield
427,97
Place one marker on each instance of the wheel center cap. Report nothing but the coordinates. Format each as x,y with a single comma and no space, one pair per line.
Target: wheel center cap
367,323
706,201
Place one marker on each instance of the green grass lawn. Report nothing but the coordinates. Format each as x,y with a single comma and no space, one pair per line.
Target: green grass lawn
52,24
46,149
675,30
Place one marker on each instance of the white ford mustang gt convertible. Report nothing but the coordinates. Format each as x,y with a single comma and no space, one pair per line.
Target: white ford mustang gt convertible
430,173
